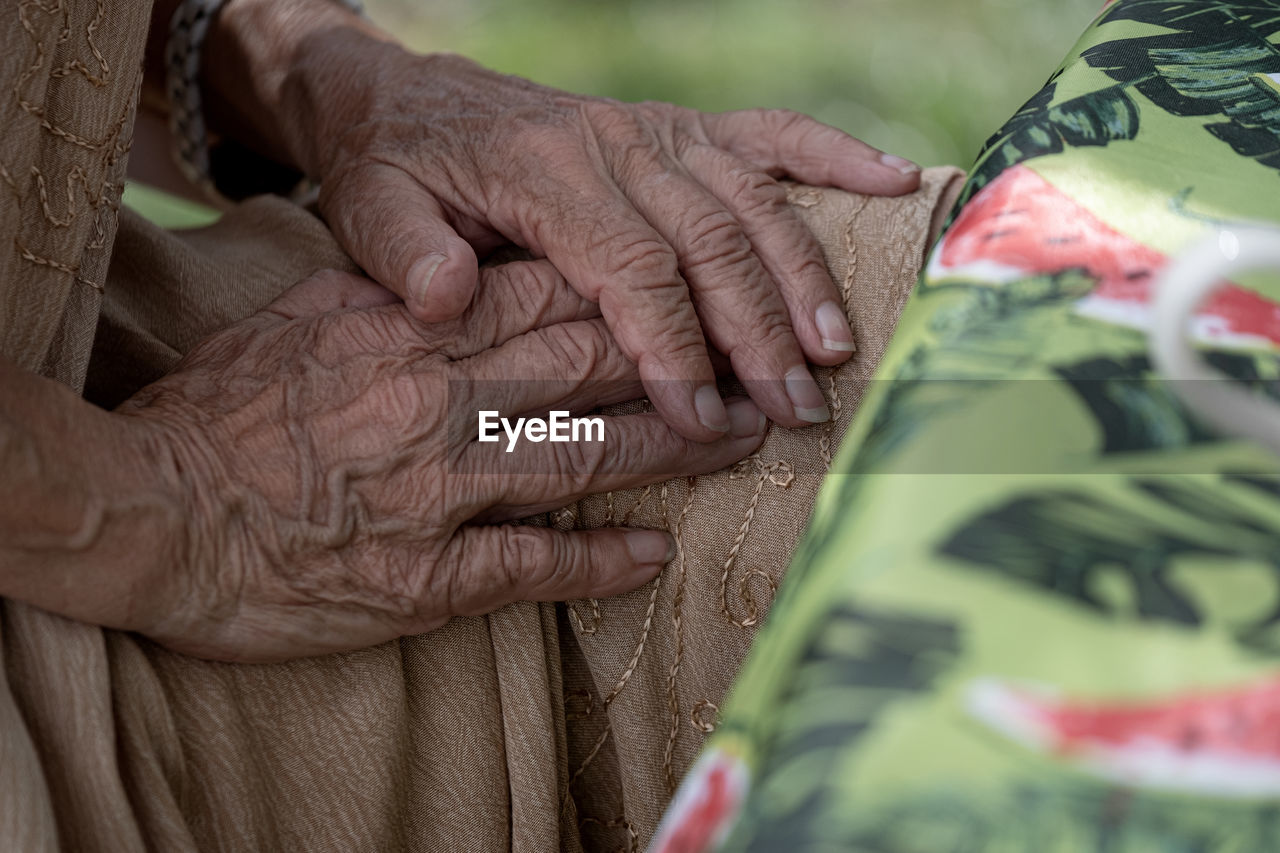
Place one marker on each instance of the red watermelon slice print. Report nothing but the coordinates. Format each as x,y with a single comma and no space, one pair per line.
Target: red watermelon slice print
1224,743
699,818
1020,226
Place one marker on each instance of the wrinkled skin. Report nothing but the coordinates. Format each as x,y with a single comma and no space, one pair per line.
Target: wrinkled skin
321,462
672,220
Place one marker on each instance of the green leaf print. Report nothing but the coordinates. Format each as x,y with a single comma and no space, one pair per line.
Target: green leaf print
1093,119
1221,64
1218,63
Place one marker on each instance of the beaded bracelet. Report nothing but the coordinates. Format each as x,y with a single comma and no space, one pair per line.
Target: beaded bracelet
187,32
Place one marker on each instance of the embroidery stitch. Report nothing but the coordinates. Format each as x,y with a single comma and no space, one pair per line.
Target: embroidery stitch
677,626
698,716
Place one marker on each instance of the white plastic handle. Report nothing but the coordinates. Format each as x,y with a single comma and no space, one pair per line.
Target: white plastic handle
1181,289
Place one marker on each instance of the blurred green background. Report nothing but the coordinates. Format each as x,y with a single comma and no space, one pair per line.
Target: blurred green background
926,79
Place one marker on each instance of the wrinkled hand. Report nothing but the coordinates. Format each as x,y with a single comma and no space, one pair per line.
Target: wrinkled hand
672,220
327,475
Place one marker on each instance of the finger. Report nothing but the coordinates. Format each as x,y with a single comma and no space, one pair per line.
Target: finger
530,475
787,248
611,255
791,143
512,299
397,232
486,567
742,312
326,291
572,366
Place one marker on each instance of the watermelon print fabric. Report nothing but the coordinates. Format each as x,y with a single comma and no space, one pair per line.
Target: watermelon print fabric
1038,604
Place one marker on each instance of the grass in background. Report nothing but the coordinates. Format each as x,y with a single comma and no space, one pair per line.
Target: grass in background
925,79
167,211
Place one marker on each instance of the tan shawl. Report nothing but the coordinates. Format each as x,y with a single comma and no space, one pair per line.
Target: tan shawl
70,72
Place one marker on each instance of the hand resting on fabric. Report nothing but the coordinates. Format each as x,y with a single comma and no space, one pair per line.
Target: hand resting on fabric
303,482
672,220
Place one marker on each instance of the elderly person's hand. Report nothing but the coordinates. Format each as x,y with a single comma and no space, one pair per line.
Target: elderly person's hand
316,480
672,220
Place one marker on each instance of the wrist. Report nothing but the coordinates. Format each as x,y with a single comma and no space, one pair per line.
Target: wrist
146,527
274,69
87,527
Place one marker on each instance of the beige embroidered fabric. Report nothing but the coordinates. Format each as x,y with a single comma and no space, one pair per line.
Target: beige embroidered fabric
539,727
645,677
70,71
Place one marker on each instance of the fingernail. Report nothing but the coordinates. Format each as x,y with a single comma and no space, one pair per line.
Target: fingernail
420,275
710,409
806,399
902,164
834,328
650,546
745,419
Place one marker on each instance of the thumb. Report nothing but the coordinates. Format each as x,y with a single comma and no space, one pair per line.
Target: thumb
490,566
396,231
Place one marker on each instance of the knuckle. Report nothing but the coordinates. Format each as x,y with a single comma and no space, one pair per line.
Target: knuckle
684,346
579,465
754,193
661,109
527,557
783,121
578,347
630,143
716,239
657,321
793,132
455,588
769,335
643,256
511,298
760,323
811,267
774,330
509,295
532,288
613,120
487,570
458,337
